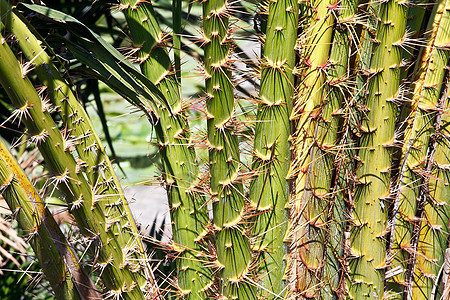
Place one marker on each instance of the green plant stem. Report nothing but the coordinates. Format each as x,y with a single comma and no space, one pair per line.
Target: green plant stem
365,53
232,246
181,173
433,234
269,191
59,262
176,17
331,150
369,216
313,143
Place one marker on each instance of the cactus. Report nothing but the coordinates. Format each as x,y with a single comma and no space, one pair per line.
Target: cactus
269,190
99,171
314,140
432,238
432,209
58,260
425,99
89,213
232,244
332,150
181,173
369,217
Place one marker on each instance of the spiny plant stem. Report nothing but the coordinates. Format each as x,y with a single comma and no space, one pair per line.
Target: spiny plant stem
369,217
416,15
269,191
59,262
331,149
430,75
428,240
232,245
87,210
181,173
91,152
313,139
432,210
434,214
365,51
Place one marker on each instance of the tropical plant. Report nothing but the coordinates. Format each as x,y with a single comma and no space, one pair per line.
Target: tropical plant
332,185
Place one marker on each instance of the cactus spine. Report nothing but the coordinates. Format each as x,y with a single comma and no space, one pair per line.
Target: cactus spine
269,191
232,244
181,173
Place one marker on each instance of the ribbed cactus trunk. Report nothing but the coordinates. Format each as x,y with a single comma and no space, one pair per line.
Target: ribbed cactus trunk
412,179
369,217
91,153
269,191
429,238
180,170
87,209
232,242
59,262
315,135
332,139
433,237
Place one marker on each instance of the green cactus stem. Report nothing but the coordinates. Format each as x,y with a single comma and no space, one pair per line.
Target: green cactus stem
435,213
269,191
232,245
369,217
331,150
59,262
313,146
181,173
